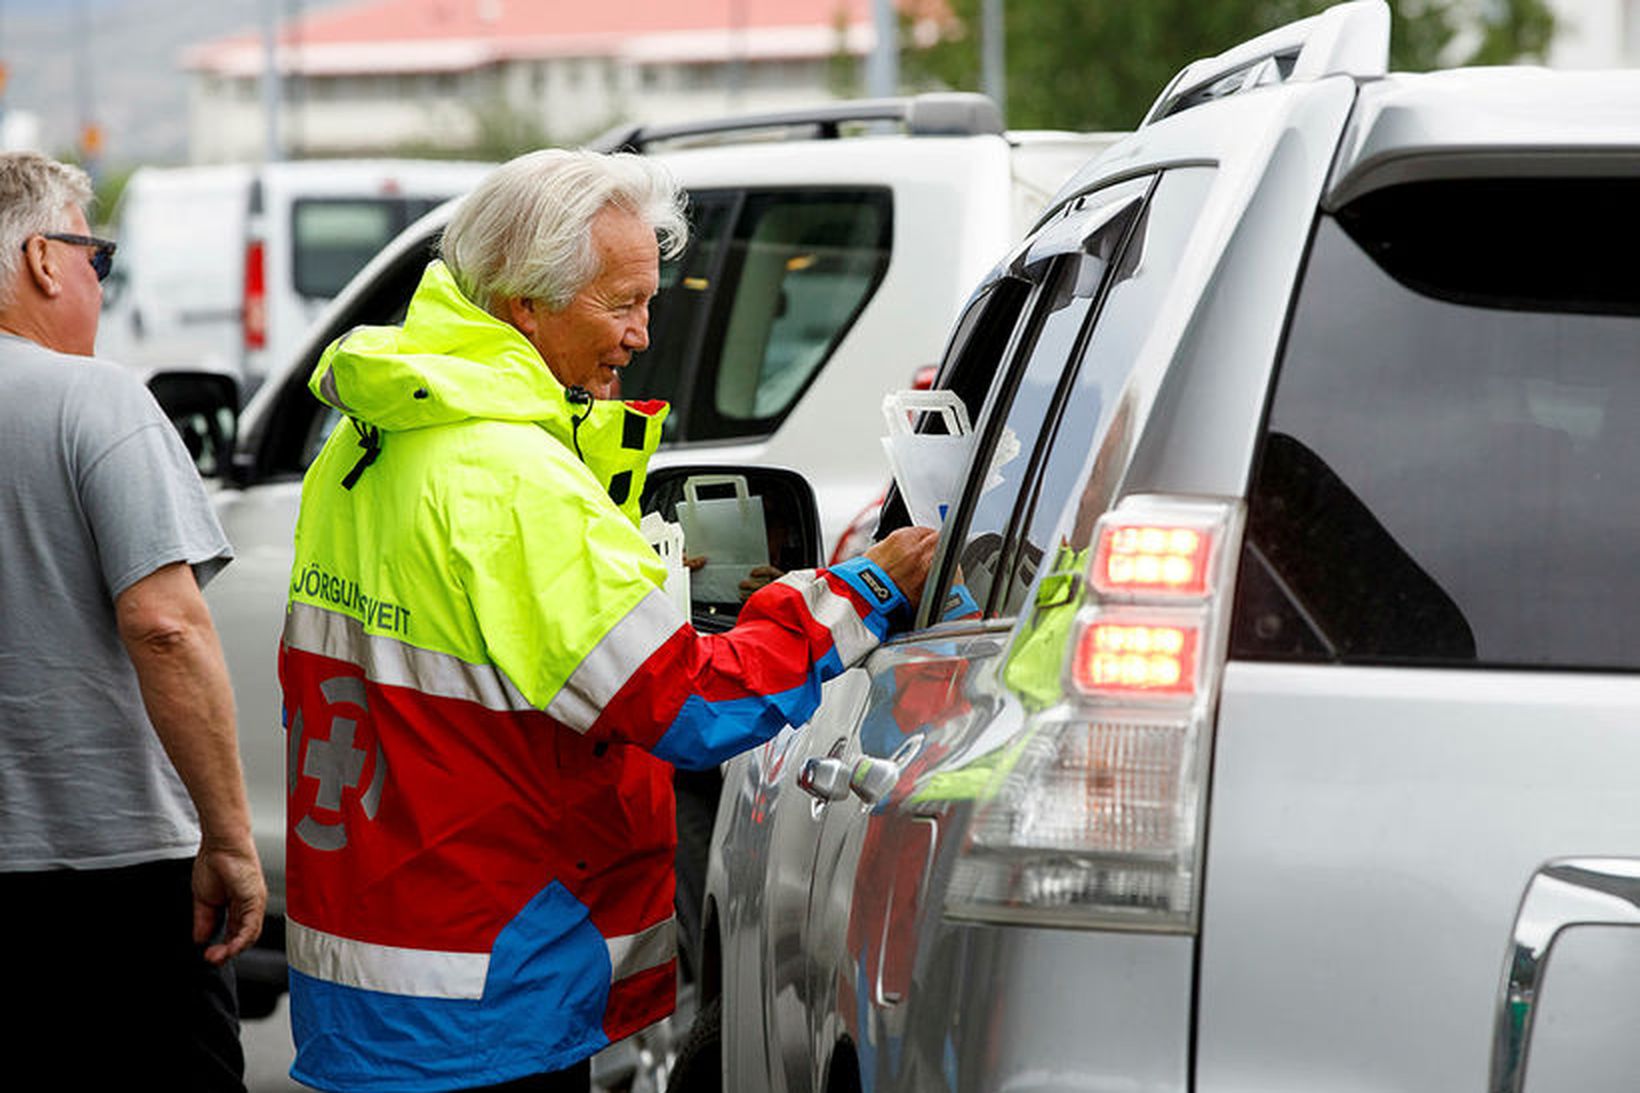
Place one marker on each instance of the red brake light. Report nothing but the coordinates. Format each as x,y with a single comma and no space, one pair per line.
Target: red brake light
1152,558
1134,657
255,314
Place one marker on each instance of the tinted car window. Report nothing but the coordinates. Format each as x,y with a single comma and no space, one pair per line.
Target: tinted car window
1138,287
969,364
800,267
1452,455
679,312
1070,258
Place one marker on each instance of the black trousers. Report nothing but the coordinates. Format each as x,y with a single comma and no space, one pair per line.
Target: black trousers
104,988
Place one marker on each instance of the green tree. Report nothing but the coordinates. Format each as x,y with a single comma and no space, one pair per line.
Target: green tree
1098,64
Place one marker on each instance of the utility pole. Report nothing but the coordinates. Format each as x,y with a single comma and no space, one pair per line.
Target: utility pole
736,83
993,55
271,150
883,66
91,137
5,76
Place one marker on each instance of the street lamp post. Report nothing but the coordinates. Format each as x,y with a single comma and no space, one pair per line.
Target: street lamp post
271,151
993,63
883,65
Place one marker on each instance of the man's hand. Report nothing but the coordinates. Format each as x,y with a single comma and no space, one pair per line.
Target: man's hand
168,633
759,576
905,556
228,880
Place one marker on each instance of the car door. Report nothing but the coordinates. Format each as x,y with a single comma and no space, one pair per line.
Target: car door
934,711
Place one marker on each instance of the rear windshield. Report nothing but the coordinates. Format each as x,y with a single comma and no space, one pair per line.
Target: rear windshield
1451,469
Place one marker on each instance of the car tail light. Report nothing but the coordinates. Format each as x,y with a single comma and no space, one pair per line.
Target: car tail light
1135,656
1095,820
255,314
1137,558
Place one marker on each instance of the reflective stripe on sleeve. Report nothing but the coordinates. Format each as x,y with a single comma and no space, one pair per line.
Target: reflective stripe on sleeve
332,393
421,973
614,660
643,950
849,635
391,662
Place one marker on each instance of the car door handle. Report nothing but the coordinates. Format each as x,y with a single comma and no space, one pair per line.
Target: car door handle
1567,892
825,778
873,777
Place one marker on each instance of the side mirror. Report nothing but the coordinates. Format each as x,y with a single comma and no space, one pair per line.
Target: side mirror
204,407
735,518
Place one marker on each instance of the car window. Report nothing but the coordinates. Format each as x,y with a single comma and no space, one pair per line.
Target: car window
1048,341
333,238
1137,289
679,312
1452,456
978,342
800,266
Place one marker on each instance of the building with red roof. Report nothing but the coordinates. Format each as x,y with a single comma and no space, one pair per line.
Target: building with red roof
386,76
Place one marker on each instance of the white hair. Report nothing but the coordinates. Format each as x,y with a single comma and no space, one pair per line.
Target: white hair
525,231
37,195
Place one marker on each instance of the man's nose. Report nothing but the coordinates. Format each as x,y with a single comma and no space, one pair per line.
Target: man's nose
637,333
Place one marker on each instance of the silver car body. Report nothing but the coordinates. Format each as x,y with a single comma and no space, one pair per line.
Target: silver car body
1365,835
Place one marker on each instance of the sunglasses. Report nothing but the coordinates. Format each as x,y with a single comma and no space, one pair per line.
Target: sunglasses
102,257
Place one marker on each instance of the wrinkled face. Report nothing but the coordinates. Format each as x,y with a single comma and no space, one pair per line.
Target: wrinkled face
594,336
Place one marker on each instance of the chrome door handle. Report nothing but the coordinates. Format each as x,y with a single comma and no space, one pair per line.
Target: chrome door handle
824,778
873,777
1567,892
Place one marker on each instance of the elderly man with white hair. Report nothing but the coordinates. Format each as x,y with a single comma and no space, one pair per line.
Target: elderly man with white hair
125,837
485,684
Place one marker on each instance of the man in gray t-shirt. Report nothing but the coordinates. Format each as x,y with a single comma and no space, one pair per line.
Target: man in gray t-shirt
127,872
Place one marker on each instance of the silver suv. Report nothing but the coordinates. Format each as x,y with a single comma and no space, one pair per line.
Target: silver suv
1297,718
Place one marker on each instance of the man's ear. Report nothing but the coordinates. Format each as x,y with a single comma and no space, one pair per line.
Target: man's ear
519,311
39,266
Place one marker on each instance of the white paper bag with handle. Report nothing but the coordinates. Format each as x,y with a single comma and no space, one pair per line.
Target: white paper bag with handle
667,539
729,532
927,466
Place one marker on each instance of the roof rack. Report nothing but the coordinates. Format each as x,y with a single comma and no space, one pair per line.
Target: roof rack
1347,39
943,114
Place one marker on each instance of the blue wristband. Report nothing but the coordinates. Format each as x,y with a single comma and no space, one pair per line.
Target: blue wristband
876,587
959,604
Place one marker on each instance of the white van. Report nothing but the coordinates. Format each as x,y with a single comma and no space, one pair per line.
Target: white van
222,268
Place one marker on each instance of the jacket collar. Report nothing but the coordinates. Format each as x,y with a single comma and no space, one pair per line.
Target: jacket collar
452,361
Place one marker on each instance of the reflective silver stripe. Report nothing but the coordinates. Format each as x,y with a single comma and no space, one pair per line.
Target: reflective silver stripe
836,613
619,654
391,662
643,950
423,973
332,393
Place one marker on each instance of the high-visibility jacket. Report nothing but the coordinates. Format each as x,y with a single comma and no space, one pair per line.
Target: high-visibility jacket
484,687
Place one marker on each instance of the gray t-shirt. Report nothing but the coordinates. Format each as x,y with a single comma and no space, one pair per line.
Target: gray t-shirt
96,492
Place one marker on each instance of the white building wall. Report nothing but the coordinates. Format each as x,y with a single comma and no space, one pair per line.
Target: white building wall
671,76
1596,34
